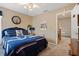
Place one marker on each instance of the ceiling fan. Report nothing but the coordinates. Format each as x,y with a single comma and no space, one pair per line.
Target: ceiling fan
29,6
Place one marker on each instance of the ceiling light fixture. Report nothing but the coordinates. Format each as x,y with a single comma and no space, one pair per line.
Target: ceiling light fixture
29,6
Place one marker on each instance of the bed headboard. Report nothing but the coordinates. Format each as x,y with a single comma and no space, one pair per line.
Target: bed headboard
12,31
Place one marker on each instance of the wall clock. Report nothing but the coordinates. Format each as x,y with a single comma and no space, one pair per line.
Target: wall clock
16,19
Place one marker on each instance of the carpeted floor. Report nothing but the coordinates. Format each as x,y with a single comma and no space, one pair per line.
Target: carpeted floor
62,49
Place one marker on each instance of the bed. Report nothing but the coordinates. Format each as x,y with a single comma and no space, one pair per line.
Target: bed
22,44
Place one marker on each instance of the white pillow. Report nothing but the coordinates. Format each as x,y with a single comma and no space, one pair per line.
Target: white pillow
19,33
6,33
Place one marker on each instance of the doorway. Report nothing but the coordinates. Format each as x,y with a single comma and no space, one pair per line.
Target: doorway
63,26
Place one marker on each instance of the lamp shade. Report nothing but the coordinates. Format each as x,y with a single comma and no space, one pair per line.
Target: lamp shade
32,28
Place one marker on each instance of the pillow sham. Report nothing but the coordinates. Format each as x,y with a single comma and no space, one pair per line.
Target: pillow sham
19,33
10,33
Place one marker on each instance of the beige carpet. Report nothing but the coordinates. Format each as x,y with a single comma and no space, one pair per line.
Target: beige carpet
62,49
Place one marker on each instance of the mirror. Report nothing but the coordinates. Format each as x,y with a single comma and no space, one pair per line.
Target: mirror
63,25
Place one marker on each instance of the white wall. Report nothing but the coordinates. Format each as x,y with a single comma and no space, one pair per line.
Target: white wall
7,19
0,29
50,20
74,27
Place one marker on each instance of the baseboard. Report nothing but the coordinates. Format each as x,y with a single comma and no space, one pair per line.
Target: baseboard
66,36
51,43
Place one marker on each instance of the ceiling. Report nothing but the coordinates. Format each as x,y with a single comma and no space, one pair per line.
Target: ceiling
65,16
43,7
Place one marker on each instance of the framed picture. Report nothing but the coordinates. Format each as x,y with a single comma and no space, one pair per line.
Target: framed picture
16,19
43,26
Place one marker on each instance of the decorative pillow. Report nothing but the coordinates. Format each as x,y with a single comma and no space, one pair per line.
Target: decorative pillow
6,33
25,32
10,33
19,33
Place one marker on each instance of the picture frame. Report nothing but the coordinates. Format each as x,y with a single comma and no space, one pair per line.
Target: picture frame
16,19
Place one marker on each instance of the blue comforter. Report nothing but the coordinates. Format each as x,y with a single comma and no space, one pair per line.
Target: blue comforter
11,43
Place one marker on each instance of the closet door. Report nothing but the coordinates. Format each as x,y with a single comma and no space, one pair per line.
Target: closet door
78,36
78,25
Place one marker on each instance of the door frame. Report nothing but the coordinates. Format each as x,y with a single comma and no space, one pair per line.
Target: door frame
68,11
